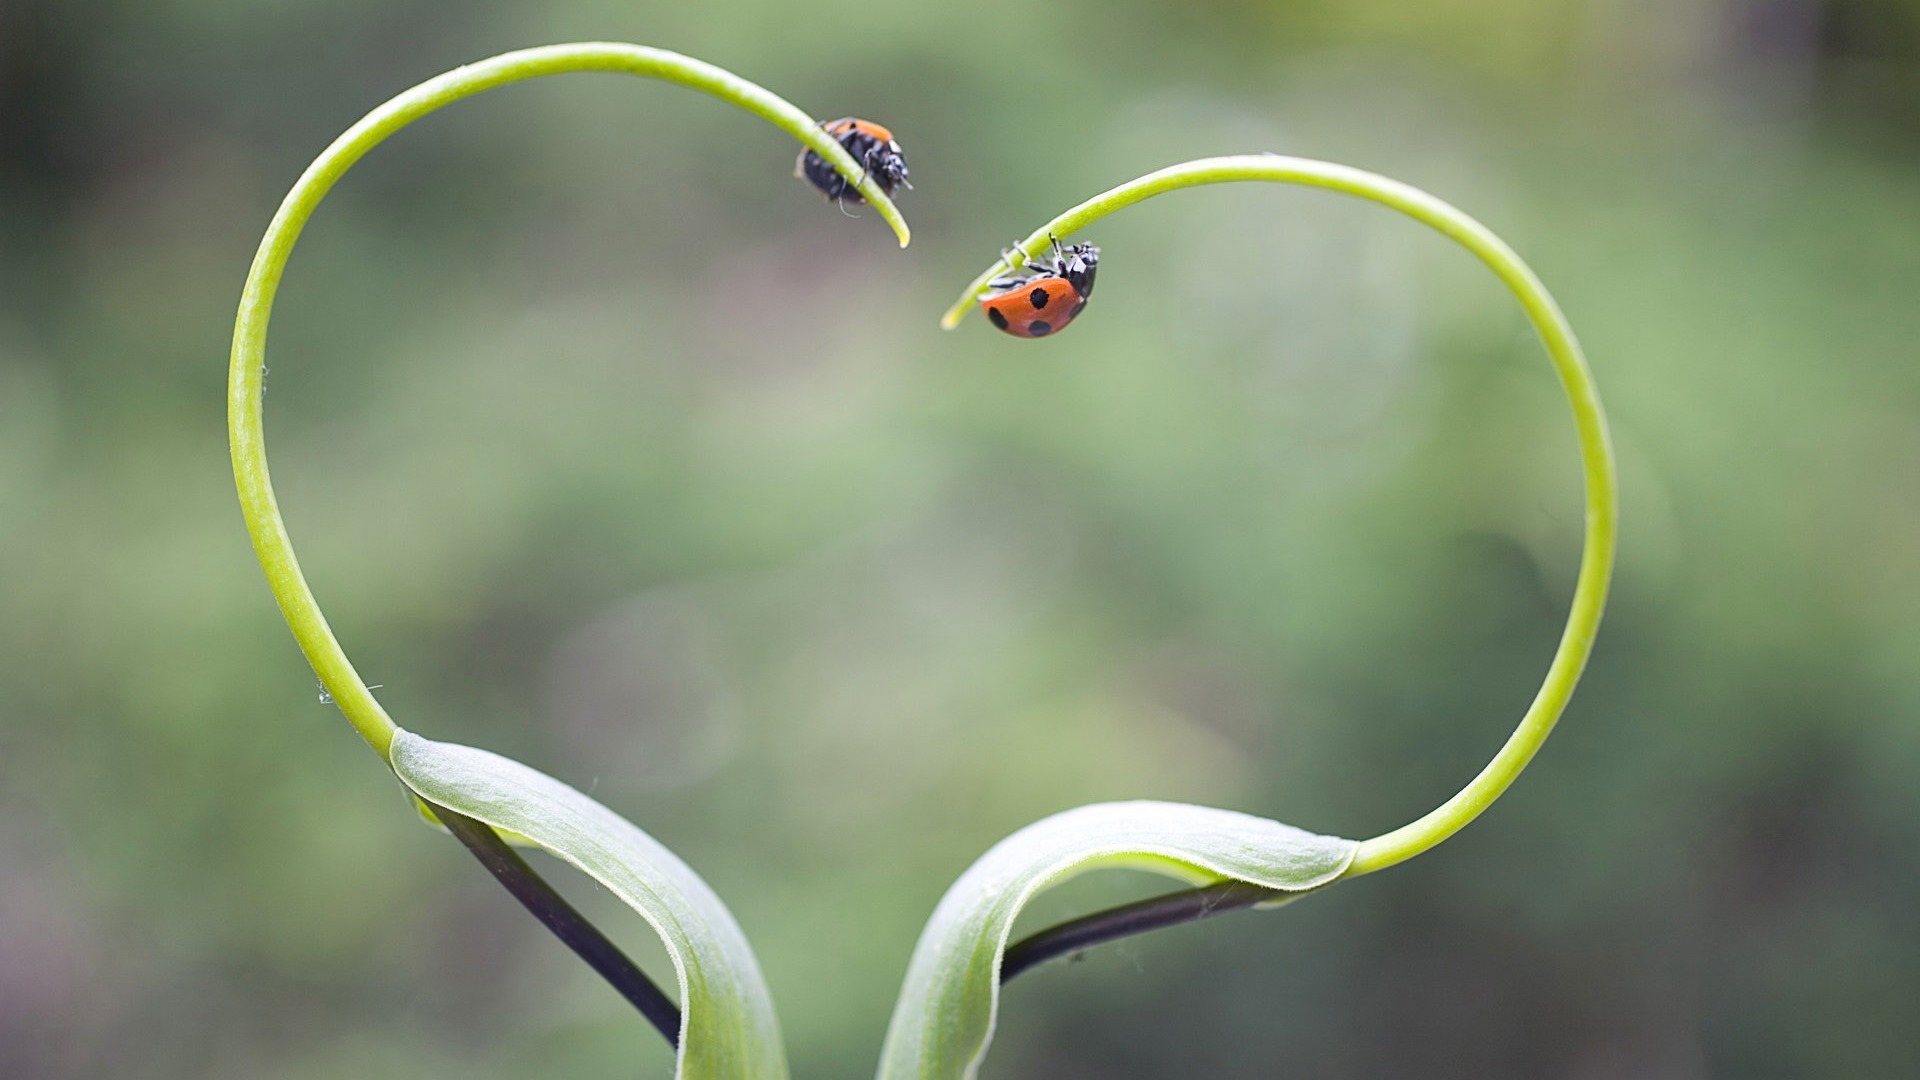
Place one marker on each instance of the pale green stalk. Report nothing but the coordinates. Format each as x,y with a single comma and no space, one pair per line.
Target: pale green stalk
245,375
1596,453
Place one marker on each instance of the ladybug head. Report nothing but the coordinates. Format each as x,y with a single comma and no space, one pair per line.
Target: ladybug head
1077,263
875,148
887,165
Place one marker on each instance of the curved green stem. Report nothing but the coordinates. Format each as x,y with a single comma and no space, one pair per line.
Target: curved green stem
245,374
1596,452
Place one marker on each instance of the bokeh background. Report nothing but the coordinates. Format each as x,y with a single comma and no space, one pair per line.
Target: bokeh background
610,447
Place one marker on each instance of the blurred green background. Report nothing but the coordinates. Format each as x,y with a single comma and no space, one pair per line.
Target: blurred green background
609,446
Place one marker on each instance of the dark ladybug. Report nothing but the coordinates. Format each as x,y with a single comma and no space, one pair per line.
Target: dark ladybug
871,145
1045,294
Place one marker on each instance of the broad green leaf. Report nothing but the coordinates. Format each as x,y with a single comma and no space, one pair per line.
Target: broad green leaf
945,1016
727,1026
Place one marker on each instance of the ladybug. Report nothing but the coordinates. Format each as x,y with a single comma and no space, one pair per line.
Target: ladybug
1046,295
871,145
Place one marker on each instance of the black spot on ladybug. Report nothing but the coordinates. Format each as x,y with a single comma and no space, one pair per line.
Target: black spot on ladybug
1038,328
997,319
1038,298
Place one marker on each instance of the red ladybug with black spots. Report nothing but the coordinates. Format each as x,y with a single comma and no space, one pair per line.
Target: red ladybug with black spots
1046,294
871,145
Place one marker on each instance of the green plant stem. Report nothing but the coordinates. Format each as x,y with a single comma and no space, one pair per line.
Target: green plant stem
246,372
1563,349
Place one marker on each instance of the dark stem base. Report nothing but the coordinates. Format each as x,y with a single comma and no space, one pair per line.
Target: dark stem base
1153,913
604,957
565,922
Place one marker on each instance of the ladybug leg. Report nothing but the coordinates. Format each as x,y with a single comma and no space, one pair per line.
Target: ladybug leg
1017,260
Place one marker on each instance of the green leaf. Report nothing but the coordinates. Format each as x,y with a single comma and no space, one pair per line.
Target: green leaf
728,1030
945,1016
